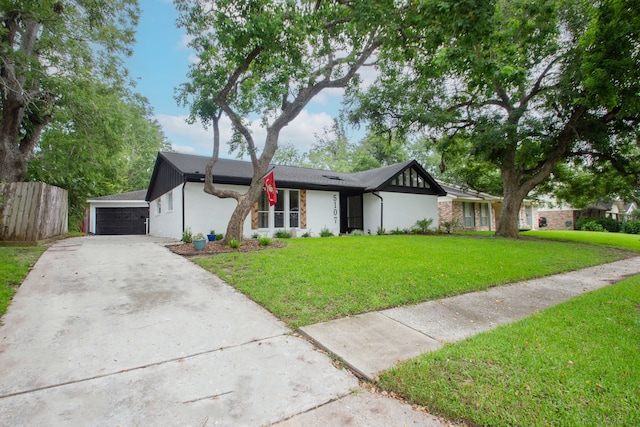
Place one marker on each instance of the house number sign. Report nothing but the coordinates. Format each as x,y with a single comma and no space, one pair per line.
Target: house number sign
335,208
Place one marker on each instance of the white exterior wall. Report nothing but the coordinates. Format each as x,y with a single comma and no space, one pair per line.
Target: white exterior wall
205,212
401,210
371,212
111,204
323,211
169,222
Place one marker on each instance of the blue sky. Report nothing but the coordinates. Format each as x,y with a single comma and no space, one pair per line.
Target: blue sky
160,63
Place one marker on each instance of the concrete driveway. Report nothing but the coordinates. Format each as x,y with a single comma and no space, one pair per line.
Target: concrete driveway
119,331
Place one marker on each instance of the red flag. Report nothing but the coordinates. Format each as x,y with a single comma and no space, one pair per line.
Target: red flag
270,188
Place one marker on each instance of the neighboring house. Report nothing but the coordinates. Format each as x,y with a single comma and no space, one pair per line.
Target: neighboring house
125,213
558,216
477,211
309,200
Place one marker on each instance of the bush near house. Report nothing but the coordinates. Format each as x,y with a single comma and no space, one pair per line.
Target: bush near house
609,224
592,226
631,227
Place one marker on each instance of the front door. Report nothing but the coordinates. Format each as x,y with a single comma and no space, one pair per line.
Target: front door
351,213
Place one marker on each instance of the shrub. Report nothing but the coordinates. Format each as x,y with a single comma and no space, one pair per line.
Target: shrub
264,241
451,226
423,226
357,233
607,223
397,231
199,236
282,234
219,236
307,234
592,226
187,236
381,231
325,232
234,244
631,227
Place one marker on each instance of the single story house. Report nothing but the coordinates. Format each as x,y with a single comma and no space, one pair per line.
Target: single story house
125,213
559,216
309,200
477,211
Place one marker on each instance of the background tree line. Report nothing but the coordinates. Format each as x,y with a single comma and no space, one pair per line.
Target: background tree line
69,114
507,96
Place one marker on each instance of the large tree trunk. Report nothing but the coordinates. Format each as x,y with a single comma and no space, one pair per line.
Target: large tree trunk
508,223
13,165
235,226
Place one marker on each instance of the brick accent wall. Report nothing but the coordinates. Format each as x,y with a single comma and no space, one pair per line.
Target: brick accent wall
449,210
445,212
558,220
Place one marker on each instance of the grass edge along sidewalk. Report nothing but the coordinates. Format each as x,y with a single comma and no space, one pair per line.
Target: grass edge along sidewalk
15,263
315,280
572,364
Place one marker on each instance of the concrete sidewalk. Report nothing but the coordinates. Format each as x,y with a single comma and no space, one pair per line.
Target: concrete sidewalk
373,342
118,330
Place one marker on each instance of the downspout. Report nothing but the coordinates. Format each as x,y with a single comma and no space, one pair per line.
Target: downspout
184,184
381,209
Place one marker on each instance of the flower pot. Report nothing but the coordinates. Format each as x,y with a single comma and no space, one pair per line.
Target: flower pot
211,237
199,244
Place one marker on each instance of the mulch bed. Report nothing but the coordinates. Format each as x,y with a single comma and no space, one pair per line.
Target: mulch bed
187,249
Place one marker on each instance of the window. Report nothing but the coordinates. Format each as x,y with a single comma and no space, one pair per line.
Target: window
159,206
170,201
278,211
410,178
286,211
263,210
469,215
294,208
484,215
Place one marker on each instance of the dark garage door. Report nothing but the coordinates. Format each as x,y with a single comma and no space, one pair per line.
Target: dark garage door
121,220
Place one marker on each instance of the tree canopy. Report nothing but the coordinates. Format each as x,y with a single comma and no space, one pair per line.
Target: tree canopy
266,58
45,46
101,141
526,86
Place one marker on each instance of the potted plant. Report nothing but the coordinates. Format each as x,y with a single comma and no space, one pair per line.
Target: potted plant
212,236
199,242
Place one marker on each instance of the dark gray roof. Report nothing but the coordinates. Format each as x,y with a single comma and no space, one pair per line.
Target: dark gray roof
240,172
131,195
226,171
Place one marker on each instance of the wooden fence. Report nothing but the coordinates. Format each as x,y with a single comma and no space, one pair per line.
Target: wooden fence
32,211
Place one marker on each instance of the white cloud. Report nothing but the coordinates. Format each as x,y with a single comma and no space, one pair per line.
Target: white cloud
195,139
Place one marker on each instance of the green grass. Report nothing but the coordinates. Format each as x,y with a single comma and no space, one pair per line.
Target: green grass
15,263
575,364
314,280
621,240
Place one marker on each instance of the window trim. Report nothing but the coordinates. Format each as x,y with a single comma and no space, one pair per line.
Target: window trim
170,201
468,221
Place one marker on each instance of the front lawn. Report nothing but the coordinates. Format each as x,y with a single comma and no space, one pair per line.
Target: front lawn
621,240
314,280
15,263
575,364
